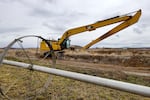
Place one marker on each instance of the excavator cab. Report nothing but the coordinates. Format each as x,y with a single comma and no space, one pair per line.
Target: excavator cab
66,44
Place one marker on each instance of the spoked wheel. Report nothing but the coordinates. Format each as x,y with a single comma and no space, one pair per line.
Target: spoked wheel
23,84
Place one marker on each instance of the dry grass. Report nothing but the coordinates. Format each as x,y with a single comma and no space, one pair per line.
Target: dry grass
24,84
60,88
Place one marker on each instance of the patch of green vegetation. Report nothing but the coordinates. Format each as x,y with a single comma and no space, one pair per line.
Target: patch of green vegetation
12,58
138,80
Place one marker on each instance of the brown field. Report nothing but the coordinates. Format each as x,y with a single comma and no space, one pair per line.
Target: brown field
130,65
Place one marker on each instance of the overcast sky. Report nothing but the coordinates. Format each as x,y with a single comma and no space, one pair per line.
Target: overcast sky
51,18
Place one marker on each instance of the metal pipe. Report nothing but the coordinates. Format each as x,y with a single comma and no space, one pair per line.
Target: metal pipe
119,85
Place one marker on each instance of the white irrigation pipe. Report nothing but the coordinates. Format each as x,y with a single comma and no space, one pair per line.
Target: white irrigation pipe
119,85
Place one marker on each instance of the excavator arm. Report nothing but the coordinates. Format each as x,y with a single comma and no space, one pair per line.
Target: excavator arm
92,27
118,28
128,19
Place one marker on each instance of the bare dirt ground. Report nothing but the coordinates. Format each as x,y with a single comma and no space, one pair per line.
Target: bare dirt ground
130,65
131,60
141,71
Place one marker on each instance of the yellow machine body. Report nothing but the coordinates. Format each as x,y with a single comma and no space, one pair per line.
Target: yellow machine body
64,42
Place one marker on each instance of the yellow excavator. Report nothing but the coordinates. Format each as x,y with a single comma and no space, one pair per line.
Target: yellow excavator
64,42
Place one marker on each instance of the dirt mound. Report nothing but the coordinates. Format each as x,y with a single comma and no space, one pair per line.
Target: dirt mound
123,57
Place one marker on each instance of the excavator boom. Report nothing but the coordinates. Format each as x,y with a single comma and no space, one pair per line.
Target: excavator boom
92,27
118,28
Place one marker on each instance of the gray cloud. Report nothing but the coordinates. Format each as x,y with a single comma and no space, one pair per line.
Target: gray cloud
5,1
117,36
12,1
140,28
137,30
55,27
62,22
51,13
50,1
57,21
41,12
12,29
